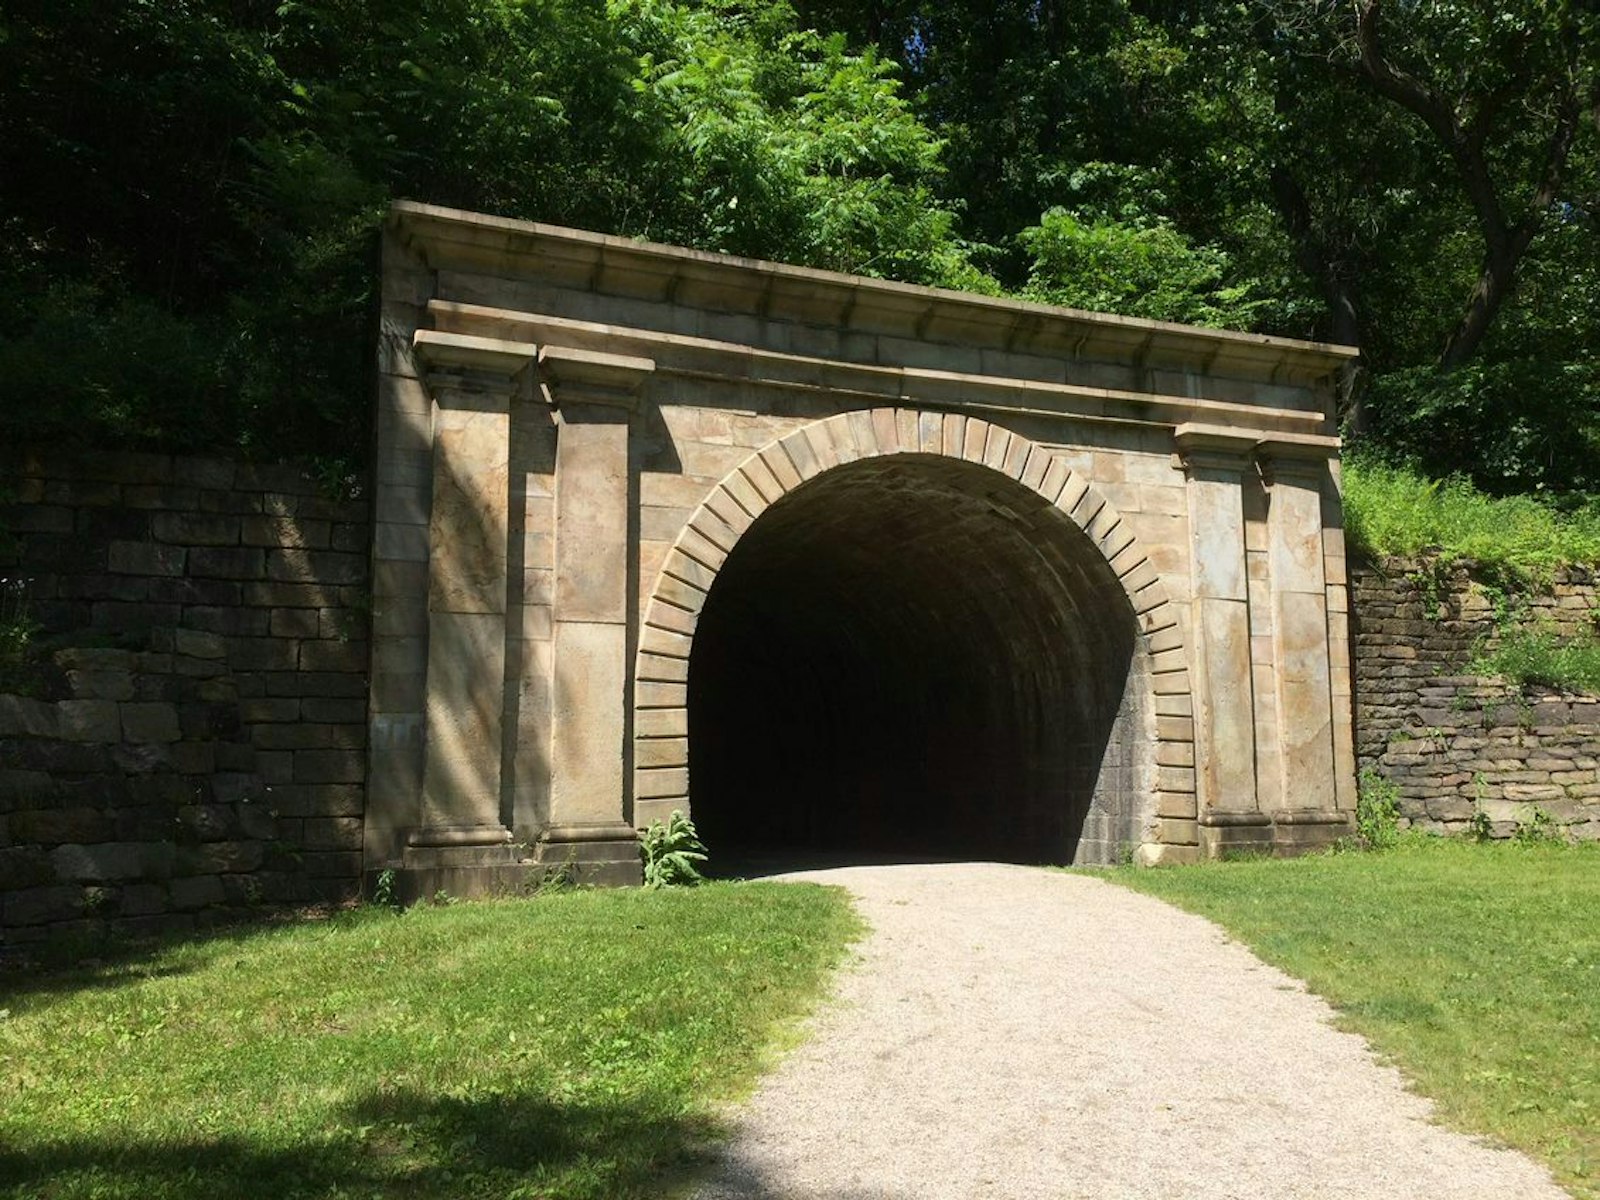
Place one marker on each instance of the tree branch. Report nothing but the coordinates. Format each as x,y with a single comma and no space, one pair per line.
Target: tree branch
1465,149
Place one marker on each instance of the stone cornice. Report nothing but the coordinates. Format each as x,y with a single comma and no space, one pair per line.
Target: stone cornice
678,354
451,239
458,365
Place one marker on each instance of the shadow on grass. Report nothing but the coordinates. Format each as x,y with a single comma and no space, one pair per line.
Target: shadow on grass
397,1145
109,959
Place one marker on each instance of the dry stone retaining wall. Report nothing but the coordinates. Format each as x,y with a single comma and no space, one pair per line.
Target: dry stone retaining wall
1455,744
188,745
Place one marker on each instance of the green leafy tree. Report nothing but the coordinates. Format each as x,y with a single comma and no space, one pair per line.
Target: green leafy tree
1142,269
194,186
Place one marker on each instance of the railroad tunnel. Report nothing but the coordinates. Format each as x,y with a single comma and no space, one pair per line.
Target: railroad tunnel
914,657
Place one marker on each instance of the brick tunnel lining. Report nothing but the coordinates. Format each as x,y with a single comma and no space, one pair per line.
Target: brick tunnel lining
915,657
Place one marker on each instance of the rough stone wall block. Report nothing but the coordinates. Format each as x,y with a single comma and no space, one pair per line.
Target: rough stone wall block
168,784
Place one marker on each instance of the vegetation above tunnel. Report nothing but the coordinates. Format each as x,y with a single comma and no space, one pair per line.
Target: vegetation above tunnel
192,187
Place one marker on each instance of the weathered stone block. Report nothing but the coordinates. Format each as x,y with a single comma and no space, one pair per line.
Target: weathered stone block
143,899
145,558
333,656
295,622
1534,791
334,799
101,685
194,758
196,529
263,654
332,833
40,906
334,711
284,532
229,622
150,722
269,709
321,569
198,644
227,564
329,766
116,617
24,867
88,720
207,822
22,716
109,860
193,893
218,857
257,821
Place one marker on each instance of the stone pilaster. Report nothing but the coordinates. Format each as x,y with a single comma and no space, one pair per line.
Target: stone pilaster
1295,470
462,827
1216,460
595,396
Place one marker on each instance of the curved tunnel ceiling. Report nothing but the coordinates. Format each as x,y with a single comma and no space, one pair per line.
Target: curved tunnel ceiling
909,656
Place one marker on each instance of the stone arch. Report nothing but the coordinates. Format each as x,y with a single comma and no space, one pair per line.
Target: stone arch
731,508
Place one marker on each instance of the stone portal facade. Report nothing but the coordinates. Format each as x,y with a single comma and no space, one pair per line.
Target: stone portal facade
835,565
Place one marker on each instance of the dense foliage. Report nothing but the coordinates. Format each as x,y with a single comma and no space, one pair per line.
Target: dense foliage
1394,510
191,187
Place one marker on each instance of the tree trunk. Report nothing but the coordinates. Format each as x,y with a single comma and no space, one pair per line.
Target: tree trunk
1491,290
1338,291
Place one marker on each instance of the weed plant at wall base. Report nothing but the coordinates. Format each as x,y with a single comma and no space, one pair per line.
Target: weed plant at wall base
1377,811
17,625
670,849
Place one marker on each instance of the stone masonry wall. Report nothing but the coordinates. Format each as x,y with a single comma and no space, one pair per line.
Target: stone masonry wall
185,743
1454,743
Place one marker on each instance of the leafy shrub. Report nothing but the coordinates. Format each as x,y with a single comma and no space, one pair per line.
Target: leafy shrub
1528,422
191,265
1143,268
1479,827
1377,811
17,630
1539,830
670,850
1541,656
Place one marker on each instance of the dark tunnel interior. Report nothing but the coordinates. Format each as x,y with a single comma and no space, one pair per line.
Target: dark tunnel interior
913,657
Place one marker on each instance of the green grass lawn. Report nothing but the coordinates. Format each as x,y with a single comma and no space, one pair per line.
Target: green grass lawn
1476,969
573,1045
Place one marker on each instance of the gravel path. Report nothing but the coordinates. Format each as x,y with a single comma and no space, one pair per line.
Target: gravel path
1013,1033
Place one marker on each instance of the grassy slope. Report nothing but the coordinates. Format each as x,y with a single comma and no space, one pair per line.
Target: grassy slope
574,1045
1393,510
1475,968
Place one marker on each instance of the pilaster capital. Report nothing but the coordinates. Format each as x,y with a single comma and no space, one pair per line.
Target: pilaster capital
1301,457
456,365
570,376
1212,448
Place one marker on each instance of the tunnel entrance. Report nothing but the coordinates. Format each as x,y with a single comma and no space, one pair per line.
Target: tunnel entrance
913,657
